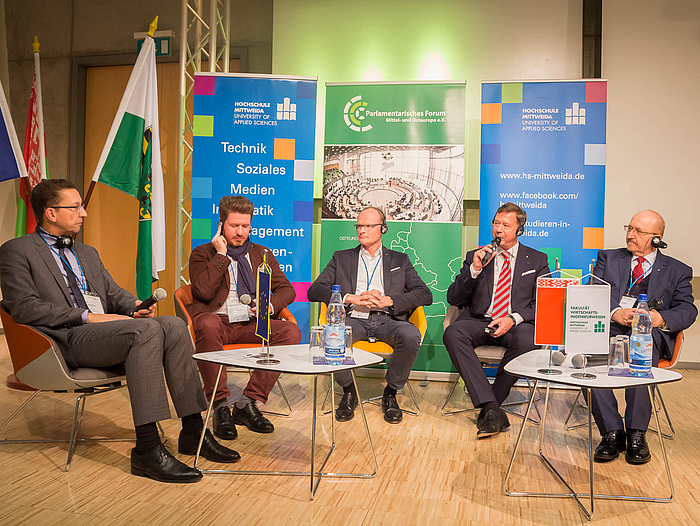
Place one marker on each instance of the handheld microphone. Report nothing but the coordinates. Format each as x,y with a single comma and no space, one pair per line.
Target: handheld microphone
494,245
558,357
244,299
158,295
579,361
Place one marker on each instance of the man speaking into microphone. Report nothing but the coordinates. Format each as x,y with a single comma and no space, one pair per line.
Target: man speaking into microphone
223,276
496,288
640,269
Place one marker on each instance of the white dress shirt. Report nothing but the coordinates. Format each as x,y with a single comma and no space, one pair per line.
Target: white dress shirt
498,265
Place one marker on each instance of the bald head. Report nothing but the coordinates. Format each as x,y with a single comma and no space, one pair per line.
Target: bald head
644,226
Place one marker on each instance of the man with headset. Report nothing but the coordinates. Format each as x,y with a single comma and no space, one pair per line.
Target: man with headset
640,269
496,288
380,289
63,289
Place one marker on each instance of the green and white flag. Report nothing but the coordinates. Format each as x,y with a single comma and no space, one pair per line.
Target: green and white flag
130,162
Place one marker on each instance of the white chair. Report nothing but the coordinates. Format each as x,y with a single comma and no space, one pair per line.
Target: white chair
39,366
488,355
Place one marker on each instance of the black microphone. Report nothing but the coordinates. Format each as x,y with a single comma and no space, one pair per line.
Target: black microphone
494,245
579,361
158,295
655,304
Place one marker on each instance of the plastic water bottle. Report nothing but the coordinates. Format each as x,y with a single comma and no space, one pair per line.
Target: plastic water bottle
335,329
641,344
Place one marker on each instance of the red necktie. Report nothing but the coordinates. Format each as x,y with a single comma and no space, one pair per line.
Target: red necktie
502,298
638,271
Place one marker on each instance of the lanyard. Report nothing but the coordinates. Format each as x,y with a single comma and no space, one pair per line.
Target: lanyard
233,276
644,274
370,278
82,283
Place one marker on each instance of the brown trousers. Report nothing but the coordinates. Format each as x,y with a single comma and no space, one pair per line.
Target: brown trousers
213,331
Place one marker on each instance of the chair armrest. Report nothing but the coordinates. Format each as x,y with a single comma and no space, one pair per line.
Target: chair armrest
286,315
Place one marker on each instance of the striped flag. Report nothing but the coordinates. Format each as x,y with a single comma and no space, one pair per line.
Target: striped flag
11,161
34,152
130,162
264,284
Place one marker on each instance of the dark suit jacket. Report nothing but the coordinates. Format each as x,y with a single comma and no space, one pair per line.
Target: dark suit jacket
401,281
475,294
35,291
211,280
669,280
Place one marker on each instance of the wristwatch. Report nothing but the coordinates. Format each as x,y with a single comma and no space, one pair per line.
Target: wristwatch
512,318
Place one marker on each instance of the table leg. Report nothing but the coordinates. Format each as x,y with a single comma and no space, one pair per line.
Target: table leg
206,420
652,394
520,436
313,441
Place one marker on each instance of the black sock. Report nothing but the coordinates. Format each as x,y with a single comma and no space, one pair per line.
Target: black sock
389,391
192,424
489,405
146,438
349,388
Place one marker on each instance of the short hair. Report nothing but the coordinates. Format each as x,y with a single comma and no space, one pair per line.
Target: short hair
235,204
46,194
382,215
520,214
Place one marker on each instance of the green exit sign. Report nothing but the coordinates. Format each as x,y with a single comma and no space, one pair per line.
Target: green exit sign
162,40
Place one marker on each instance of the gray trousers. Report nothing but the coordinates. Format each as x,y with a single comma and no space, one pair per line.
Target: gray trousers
403,336
147,348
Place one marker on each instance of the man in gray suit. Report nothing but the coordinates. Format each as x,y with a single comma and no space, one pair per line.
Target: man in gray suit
380,289
62,289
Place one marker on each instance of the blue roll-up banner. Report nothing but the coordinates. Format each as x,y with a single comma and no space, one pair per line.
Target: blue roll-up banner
254,136
543,148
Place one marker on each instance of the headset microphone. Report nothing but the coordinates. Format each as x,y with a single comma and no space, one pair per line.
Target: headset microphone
657,242
64,242
158,295
494,245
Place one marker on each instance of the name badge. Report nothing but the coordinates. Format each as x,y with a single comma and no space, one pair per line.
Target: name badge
359,311
94,303
237,312
627,302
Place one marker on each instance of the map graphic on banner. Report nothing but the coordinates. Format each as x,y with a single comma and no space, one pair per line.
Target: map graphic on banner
399,147
254,136
543,147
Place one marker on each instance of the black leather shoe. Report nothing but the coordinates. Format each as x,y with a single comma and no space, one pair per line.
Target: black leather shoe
223,424
392,411
251,417
211,449
346,407
494,421
480,418
160,465
637,448
612,444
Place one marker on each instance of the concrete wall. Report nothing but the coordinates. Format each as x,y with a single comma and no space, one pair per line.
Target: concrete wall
69,29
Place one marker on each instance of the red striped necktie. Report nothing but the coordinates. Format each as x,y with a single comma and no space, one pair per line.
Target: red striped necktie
502,297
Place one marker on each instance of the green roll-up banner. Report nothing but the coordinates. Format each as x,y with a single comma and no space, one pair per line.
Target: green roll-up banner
400,147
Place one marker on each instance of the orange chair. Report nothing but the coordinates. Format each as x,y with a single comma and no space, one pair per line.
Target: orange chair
39,366
384,351
669,364
183,297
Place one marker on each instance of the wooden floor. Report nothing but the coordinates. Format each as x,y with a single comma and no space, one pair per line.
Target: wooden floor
431,468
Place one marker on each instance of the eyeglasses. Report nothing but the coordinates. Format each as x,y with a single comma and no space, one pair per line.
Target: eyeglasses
630,228
75,208
360,227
